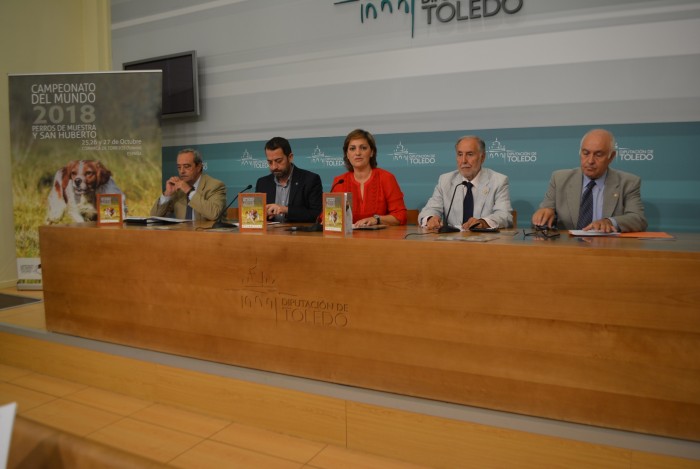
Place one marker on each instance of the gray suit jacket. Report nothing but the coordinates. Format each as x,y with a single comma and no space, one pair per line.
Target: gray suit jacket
621,199
491,199
207,202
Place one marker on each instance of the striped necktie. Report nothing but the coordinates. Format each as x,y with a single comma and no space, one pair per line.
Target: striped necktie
585,214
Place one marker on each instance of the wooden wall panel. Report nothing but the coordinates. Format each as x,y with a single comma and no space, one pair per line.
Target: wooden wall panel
603,331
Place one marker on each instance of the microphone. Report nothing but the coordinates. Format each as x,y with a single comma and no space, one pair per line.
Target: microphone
220,223
445,228
318,226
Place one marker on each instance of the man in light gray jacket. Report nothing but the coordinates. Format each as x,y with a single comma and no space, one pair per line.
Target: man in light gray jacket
471,196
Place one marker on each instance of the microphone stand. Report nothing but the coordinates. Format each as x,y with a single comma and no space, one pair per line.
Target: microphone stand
318,226
445,228
220,223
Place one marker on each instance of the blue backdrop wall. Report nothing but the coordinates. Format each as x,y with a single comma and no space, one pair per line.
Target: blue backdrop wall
664,155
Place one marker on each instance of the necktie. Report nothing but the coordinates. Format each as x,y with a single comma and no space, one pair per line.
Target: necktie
188,211
585,214
468,208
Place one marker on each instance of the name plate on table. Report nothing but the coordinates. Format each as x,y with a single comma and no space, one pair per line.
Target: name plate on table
337,213
251,211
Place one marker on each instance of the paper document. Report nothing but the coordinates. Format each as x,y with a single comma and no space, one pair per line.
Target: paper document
148,220
467,239
7,420
369,227
591,233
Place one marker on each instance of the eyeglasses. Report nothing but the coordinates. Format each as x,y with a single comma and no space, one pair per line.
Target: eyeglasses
543,232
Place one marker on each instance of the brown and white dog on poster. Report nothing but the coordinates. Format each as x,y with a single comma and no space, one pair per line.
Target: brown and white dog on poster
74,188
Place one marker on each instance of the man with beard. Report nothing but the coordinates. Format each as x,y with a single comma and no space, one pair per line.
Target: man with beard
478,197
293,194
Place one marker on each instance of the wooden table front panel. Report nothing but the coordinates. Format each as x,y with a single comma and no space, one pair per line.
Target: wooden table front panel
603,332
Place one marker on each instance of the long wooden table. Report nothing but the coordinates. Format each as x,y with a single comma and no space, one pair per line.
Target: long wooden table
601,331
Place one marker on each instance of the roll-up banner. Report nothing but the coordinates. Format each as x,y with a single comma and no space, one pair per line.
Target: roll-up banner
74,136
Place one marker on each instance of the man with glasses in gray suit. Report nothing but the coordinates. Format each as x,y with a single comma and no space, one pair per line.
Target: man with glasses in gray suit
593,197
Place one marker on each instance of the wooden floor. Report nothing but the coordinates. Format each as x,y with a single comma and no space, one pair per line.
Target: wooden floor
163,433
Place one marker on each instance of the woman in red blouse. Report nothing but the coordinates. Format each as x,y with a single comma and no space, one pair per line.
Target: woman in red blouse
376,196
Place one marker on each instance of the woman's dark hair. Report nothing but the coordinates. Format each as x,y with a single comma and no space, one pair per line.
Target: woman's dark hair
355,135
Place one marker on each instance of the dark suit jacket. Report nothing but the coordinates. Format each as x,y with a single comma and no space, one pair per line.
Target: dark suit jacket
621,199
304,196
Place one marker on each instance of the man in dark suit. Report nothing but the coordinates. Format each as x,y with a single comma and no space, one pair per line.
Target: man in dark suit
293,194
593,197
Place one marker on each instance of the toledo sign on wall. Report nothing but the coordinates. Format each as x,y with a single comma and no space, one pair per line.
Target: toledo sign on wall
443,11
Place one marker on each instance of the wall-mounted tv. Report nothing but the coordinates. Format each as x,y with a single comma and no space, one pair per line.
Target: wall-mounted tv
180,84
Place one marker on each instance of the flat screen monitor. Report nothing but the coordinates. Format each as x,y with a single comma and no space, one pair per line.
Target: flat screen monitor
180,84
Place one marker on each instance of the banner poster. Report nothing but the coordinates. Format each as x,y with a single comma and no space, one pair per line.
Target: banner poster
76,135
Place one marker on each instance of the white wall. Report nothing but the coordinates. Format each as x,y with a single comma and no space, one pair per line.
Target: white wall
305,68
41,37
